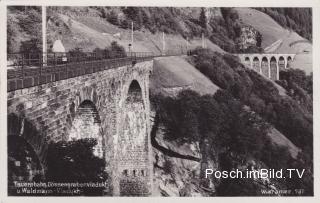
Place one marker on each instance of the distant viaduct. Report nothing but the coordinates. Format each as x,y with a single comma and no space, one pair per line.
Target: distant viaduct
268,65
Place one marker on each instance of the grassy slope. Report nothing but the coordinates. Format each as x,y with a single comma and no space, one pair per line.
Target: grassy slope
175,73
272,33
270,30
91,32
170,74
281,140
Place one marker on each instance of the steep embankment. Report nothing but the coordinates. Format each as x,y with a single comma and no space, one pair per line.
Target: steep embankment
272,32
173,74
92,32
276,39
177,166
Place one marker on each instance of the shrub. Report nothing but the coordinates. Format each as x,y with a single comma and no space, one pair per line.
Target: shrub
112,18
74,161
261,95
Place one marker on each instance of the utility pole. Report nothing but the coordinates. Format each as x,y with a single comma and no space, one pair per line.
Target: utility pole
131,35
187,43
163,44
44,34
202,41
205,43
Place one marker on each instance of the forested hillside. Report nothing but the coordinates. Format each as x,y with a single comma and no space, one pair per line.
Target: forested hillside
232,126
23,28
297,19
222,26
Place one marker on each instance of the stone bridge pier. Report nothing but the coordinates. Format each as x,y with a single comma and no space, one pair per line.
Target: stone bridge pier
268,65
111,106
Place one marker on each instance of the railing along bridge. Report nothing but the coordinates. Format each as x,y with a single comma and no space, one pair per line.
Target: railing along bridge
32,69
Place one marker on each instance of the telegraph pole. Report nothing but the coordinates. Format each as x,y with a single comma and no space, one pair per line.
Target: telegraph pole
163,44
187,43
44,34
131,35
202,40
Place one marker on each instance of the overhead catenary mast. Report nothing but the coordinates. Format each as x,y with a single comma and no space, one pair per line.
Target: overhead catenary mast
163,44
44,34
187,43
131,35
202,41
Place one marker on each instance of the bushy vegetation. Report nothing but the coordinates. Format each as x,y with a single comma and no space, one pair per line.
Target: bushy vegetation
298,77
74,161
226,32
153,19
114,51
288,115
221,119
261,95
23,28
223,30
226,29
234,134
235,123
24,33
297,19
298,86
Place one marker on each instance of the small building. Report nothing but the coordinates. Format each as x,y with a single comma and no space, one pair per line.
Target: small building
58,46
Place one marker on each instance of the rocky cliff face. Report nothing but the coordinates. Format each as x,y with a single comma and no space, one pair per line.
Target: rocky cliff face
178,168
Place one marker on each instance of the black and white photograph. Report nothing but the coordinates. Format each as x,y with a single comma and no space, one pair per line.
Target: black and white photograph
159,101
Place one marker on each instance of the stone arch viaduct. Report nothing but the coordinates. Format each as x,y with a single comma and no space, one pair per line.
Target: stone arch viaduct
268,65
103,99
108,99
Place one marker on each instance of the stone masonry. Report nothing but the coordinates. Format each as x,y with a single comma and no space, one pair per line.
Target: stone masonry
268,64
112,104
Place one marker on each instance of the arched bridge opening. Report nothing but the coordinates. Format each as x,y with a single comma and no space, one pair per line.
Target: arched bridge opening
247,62
289,61
265,66
102,99
133,163
281,63
273,68
24,164
256,64
87,124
